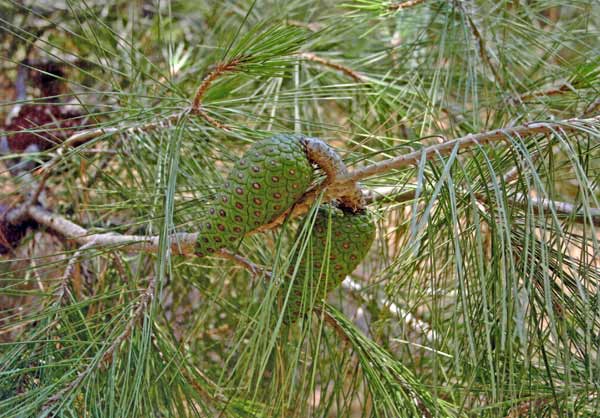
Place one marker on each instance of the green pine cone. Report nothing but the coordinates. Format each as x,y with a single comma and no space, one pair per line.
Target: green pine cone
351,236
269,178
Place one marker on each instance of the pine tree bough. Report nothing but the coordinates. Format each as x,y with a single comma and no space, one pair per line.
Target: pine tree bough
342,187
435,151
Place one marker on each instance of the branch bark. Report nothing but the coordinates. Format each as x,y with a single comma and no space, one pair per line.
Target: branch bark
355,75
394,7
344,185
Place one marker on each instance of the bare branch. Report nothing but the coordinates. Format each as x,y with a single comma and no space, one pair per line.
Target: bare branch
254,269
180,243
356,76
394,7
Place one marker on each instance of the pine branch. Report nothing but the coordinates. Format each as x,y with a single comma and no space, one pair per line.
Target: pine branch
313,27
394,7
180,243
356,76
472,140
254,269
340,187
343,186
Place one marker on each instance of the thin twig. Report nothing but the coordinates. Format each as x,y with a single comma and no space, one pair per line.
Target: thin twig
481,44
64,282
254,269
321,311
554,91
218,71
313,27
356,76
394,7
212,121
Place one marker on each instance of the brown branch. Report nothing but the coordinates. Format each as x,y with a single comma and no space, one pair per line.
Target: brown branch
413,159
313,27
180,243
218,71
321,311
254,269
394,7
554,91
356,76
212,121
184,243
